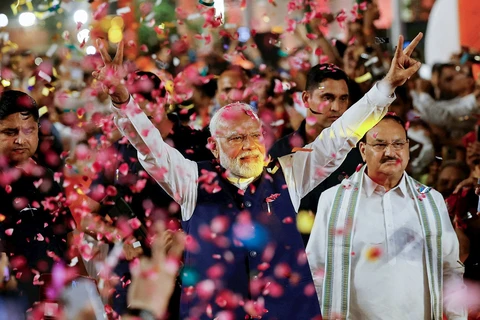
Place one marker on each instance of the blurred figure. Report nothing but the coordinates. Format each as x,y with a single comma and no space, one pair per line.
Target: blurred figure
451,174
35,219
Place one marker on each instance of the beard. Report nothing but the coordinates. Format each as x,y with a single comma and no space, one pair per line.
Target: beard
240,169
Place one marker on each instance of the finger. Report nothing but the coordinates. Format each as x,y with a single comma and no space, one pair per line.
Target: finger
102,48
398,50
178,245
408,50
119,54
414,67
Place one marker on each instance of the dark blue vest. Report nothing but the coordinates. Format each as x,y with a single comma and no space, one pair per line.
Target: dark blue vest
249,246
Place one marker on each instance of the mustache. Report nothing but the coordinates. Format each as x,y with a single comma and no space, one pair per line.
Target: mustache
250,154
389,159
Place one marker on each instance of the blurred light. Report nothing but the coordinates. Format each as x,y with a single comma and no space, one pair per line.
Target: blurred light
266,18
38,61
80,16
115,34
5,83
83,35
3,20
219,6
91,50
117,22
176,61
27,19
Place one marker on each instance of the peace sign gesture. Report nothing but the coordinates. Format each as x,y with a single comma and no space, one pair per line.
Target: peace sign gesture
112,73
403,66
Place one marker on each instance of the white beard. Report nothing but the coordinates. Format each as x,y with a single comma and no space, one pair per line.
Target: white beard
242,170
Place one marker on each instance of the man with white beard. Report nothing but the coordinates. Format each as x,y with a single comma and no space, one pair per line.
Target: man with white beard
244,256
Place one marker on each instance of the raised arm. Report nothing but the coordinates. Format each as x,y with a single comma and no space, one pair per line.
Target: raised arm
175,174
305,170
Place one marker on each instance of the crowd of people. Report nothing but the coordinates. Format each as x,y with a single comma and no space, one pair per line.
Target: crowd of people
246,180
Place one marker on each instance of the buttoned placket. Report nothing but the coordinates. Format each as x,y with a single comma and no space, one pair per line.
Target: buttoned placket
389,226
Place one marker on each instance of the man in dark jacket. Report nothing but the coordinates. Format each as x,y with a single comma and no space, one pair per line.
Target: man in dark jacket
34,220
327,98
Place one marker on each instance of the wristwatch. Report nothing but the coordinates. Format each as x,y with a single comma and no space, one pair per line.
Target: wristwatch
141,313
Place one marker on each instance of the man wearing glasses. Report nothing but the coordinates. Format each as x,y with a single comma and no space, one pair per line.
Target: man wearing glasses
382,245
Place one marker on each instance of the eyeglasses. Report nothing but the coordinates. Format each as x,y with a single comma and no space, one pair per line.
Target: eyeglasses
382,146
238,139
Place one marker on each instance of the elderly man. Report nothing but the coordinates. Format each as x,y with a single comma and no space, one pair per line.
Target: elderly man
34,218
382,245
244,256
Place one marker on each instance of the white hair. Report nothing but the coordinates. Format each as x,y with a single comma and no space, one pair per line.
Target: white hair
236,106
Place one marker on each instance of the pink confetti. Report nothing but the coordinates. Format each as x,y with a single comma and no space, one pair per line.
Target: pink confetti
9,232
38,183
272,197
101,11
287,220
40,237
123,169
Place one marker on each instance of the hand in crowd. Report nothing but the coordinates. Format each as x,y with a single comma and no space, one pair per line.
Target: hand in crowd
473,154
112,73
10,283
153,278
403,66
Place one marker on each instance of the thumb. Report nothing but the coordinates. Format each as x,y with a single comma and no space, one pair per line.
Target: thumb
413,69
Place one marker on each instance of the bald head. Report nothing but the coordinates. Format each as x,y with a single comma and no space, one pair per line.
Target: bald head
231,85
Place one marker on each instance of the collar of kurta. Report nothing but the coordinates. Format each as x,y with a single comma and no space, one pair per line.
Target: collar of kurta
336,285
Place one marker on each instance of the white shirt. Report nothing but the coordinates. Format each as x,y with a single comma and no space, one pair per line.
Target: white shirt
178,176
455,114
393,285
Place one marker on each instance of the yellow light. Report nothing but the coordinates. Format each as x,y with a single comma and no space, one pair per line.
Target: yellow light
105,24
305,221
118,22
5,83
45,91
162,26
42,111
266,18
115,34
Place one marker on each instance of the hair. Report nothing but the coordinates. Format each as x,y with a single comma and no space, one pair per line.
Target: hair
388,116
14,101
236,106
440,67
320,72
462,166
156,85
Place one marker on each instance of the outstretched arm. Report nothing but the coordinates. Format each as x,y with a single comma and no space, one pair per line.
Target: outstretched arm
305,170
175,174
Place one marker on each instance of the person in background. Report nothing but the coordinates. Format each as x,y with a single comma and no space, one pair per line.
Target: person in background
326,98
35,217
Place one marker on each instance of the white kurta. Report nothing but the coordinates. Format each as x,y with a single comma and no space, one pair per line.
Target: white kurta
388,269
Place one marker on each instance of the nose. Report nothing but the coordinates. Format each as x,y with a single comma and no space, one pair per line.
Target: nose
20,138
248,143
389,150
335,106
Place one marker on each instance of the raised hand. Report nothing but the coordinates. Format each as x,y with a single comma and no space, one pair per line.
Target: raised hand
153,278
403,66
112,73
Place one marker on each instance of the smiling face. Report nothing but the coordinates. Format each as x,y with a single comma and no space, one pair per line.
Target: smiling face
386,150
327,102
239,144
18,137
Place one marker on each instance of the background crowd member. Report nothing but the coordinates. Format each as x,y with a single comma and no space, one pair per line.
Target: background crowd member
326,98
35,218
